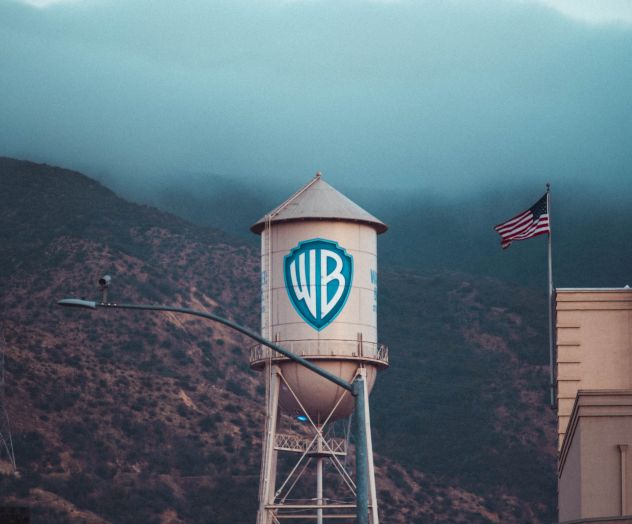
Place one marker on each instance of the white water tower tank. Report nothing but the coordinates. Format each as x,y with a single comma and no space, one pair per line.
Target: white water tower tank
319,296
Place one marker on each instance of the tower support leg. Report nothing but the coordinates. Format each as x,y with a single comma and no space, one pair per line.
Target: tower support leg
269,458
319,476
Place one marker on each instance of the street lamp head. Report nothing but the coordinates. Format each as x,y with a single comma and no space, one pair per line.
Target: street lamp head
77,302
104,284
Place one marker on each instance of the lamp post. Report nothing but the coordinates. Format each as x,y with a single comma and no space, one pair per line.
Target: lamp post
356,388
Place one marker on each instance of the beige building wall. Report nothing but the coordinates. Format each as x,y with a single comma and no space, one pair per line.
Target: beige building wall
595,468
594,345
594,371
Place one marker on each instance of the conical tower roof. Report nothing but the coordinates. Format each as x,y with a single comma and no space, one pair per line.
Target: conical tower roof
319,201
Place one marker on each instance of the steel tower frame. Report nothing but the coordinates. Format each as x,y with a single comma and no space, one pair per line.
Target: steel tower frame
317,449
6,441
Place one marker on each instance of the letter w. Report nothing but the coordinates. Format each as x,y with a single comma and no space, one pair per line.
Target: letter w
302,290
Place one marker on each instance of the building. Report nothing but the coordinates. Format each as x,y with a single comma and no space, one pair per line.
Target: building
594,378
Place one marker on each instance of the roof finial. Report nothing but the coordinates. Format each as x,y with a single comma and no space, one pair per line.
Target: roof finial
318,174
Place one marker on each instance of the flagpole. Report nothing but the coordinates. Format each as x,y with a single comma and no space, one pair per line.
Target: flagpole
551,292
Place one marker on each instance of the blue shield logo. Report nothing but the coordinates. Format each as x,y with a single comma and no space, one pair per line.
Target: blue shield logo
318,275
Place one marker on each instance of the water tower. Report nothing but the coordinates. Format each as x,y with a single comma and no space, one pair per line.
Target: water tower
319,300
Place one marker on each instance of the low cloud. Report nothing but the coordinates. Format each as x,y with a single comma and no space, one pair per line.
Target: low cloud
443,96
48,3
593,11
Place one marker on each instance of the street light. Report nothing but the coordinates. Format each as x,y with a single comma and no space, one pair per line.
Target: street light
356,388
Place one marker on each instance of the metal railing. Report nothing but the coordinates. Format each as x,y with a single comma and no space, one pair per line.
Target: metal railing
298,444
323,349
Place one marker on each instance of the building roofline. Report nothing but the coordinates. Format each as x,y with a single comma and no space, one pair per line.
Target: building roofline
594,289
593,402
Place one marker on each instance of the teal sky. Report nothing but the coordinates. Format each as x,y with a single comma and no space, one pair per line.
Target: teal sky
450,96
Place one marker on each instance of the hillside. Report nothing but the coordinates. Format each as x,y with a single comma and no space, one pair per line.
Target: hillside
140,417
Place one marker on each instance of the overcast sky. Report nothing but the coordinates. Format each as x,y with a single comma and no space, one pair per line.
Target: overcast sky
451,96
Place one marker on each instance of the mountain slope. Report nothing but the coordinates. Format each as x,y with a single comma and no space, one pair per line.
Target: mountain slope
123,413
466,396
140,417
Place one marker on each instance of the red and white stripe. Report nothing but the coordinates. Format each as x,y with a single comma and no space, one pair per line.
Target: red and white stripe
522,227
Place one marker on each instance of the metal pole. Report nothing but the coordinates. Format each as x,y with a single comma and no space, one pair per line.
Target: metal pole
319,489
362,470
373,514
551,326
319,475
75,302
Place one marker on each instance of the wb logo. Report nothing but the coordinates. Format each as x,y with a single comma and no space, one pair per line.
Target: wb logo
318,275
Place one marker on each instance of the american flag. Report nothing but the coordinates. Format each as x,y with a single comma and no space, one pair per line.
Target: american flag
528,224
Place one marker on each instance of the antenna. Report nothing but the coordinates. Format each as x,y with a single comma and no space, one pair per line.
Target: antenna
6,442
